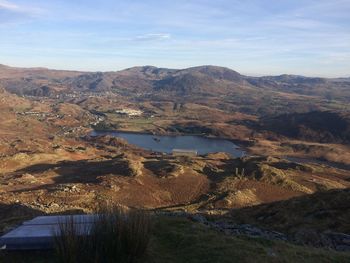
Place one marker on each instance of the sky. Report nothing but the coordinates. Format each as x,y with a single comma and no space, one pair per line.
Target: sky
254,37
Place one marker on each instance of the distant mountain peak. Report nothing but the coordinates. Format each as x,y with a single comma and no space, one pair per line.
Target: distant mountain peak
216,72
138,68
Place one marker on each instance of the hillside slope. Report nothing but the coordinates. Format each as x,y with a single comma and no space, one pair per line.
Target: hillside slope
319,126
211,80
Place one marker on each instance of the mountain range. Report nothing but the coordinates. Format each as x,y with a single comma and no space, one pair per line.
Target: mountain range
202,80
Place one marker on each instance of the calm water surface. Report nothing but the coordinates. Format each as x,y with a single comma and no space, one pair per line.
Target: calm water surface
167,143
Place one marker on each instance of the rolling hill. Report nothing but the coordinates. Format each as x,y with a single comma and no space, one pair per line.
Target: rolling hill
320,126
202,80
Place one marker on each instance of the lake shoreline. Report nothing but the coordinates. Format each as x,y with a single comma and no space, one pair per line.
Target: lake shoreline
242,143
241,146
238,146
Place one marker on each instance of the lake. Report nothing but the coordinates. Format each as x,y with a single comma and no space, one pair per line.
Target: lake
166,144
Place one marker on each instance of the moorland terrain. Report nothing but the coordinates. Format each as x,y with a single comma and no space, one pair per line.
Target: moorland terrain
294,179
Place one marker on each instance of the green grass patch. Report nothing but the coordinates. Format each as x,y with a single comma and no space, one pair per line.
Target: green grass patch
180,240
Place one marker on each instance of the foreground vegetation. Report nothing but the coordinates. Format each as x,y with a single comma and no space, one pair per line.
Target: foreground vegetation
180,240
117,235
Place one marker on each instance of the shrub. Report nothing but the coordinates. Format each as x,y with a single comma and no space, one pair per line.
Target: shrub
116,235
71,242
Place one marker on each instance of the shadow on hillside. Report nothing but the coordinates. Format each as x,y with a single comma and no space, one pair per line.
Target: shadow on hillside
84,171
318,212
321,211
218,173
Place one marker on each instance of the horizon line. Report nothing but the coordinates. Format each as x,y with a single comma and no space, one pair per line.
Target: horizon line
174,68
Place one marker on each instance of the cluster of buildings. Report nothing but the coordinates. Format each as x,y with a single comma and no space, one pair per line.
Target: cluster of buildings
39,114
97,120
129,112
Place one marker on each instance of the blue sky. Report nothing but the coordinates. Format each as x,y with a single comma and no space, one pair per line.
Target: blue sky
256,37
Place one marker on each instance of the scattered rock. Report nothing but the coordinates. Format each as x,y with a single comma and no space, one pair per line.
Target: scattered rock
67,188
53,205
331,240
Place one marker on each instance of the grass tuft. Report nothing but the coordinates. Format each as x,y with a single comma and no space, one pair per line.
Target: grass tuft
116,235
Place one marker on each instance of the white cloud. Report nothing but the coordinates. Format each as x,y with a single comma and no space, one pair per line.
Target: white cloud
8,6
152,37
20,9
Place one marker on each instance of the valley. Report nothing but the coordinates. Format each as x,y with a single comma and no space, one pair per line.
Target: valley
295,132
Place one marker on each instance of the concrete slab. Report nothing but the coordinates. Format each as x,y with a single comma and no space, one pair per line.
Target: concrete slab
50,220
39,232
